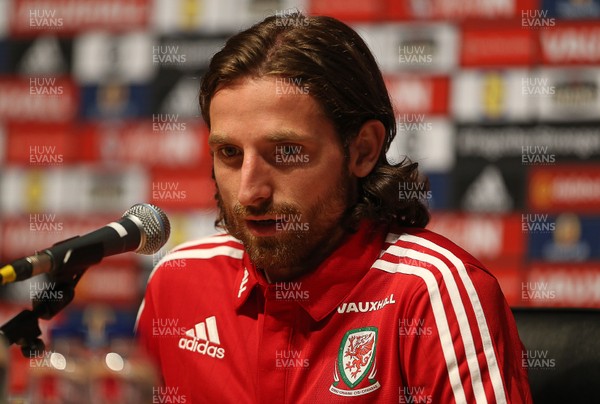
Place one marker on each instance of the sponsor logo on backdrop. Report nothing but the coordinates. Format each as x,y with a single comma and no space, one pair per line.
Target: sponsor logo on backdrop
68,16
493,95
506,46
53,100
565,188
43,57
574,9
485,236
180,98
488,193
576,94
458,9
573,284
420,95
571,44
571,240
498,142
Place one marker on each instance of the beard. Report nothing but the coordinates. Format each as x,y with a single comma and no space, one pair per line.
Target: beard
304,237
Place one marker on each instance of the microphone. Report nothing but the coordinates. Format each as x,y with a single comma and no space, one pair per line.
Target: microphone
143,228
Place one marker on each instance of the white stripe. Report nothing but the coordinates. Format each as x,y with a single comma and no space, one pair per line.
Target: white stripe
206,240
213,333
201,331
192,254
139,313
488,346
199,254
439,315
459,310
118,227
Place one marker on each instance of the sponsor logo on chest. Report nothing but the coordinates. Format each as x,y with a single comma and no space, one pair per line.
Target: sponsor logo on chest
364,307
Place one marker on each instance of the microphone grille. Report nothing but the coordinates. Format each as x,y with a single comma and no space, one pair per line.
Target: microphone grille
156,227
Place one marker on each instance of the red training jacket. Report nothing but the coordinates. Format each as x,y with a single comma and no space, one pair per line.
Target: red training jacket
400,316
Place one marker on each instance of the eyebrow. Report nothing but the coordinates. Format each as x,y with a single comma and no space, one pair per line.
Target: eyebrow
217,138
280,136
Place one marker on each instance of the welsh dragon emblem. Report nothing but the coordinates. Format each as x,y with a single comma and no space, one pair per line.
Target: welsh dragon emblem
356,361
360,351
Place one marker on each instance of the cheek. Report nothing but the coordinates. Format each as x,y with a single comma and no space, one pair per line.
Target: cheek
226,185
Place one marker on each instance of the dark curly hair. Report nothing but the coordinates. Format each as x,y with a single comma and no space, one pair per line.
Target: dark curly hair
332,61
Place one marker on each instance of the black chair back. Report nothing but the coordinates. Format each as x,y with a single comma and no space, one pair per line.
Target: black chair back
562,353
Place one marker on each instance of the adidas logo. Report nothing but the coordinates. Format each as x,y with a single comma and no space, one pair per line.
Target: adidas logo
204,339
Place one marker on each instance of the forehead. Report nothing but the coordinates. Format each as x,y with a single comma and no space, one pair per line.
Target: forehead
271,106
266,92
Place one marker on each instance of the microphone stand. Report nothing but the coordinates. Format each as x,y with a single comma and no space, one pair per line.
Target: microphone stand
23,329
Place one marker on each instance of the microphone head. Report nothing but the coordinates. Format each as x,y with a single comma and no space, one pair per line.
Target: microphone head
155,229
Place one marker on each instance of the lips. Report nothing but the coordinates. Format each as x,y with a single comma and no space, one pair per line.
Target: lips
262,226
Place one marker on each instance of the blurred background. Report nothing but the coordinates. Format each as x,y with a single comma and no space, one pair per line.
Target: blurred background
498,100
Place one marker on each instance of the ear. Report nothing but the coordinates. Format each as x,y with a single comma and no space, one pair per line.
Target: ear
365,148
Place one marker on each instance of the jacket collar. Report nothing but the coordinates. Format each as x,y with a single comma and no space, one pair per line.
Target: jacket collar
324,289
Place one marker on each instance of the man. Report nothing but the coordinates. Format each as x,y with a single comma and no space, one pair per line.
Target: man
326,287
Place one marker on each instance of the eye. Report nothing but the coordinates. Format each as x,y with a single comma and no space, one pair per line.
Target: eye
229,151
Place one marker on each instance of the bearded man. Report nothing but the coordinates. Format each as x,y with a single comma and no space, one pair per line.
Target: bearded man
325,286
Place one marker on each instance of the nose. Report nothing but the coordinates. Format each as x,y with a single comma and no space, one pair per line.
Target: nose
255,182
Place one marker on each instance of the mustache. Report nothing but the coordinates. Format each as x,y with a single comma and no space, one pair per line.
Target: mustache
265,210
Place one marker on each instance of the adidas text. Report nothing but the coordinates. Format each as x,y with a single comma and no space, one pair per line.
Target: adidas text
203,348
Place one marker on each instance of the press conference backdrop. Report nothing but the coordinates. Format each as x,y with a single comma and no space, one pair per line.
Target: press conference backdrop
498,100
